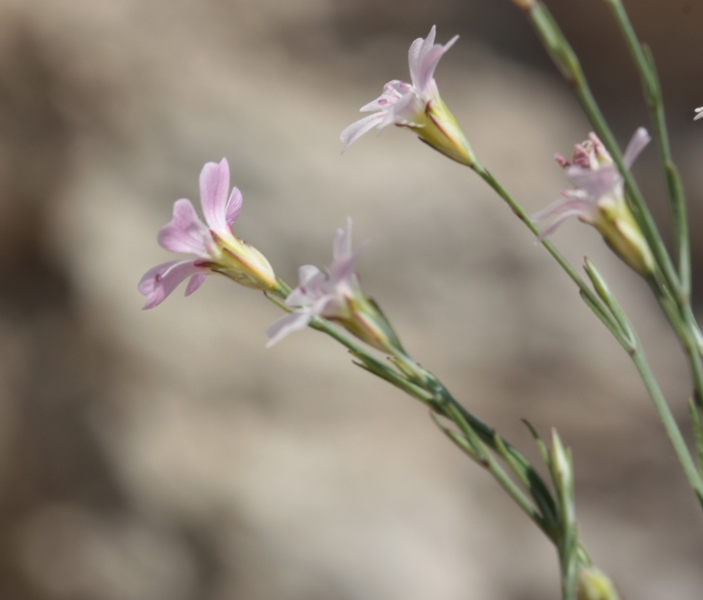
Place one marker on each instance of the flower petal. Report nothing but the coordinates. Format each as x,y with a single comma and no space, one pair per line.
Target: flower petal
295,321
342,241
392,92
158,283
359,128
699,113
638,142
595,182
423,57
214,185
234,205
562,210
408,110
341,270
186,232
195,282
309,287
417,52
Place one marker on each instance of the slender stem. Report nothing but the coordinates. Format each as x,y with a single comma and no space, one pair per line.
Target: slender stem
693,353
683,321
591,299
421,384
652,91
479,441
451,409
670,425
566,60
673,292
471,443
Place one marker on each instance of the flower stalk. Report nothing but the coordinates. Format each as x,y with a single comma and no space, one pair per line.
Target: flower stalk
568,64
644,61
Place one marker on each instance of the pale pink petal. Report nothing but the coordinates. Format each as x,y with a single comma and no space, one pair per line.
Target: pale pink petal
195,282
158,283
308,275
405,111
418,49
342,278
308,290
423,59
295,321
341,272
341,247
186,232
234,205
560,206
596,182
214,185
424,72
392,91
639,140
699,113
557,222
359,128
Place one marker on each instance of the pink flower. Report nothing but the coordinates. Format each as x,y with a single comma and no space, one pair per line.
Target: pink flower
336,295
598,199
699,113
416,106
214,246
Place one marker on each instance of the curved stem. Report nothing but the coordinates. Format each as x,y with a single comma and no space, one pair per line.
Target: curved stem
591,299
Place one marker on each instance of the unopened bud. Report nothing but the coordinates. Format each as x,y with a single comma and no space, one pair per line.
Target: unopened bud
595,585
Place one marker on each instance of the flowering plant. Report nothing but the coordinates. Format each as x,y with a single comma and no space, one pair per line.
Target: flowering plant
416,105
604,195
337,296
215,247
598,199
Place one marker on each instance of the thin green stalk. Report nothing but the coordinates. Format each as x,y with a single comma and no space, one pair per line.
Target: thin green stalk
448,406
479,441
566,60
686,328
652,91
693,353
625,334
636,352
673,292
697,420
421,384
693,327
486,460
670,425
591,299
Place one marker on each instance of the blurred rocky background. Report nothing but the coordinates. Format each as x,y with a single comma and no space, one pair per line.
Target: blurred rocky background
166,455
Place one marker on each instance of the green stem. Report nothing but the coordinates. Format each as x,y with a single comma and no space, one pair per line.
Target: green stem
670,425
472,445
591,299
566,60
673,292
652,91
421,384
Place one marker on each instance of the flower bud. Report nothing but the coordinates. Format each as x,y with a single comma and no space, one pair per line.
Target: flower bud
336,295
595,585
598,198
440,130
623,235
